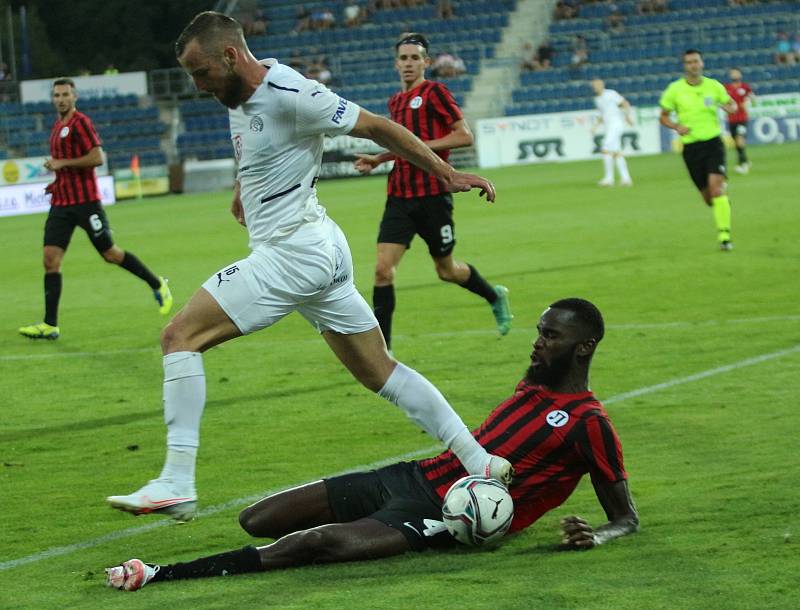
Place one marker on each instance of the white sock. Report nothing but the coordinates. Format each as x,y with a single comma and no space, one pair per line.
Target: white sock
427,408
622,168
608,164
184,400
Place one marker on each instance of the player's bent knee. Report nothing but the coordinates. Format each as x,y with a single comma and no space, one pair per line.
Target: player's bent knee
171,335
384,275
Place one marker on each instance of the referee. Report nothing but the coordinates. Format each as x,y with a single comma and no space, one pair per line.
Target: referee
694,99
75,150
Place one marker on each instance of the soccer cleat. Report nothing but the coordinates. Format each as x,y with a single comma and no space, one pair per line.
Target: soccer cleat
159,496
626,183
605,182
163,297
501,309
42,330
726,246
500,469
132,575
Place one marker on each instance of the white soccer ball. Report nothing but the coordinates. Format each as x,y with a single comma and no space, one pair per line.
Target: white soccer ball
477,510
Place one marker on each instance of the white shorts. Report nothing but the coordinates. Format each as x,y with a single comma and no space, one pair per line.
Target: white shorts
612,141
310,271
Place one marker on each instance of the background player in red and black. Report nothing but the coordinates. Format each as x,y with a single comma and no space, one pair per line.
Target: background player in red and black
417,203
742,94
75,150
552,429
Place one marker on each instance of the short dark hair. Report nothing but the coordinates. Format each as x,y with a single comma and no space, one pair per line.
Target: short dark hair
413,38
63,81
587,313
206,27
692,52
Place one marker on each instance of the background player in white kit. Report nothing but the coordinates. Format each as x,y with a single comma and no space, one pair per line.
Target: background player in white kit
614,112
300,259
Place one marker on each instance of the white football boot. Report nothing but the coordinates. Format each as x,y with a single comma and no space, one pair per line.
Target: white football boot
159,496
131,575
500,469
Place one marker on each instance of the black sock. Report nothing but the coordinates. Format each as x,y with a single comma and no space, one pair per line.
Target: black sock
135,266
245,560
52,294
383,305
742,155
475,283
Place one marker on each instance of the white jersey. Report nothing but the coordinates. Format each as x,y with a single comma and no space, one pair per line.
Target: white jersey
608,104
277,138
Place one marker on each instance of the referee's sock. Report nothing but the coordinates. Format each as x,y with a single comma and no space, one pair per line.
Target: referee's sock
131,263
475,283
52,294
722,217
240,561
383,306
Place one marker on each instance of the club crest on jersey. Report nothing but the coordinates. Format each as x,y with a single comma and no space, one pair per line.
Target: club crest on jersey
415,102
557,418
64,132
237,147
256,124
708,101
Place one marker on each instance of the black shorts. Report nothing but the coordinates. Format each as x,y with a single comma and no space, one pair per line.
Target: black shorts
397,495
62,220
430,217
738,129
704,158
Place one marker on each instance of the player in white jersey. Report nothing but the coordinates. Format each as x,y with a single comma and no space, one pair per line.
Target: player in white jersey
614,113
300,260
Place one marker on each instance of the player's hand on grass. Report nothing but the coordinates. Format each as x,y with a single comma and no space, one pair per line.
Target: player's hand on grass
577,534
366,163
459,182
237,210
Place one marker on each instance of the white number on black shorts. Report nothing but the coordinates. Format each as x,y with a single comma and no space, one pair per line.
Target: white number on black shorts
95,222
447,234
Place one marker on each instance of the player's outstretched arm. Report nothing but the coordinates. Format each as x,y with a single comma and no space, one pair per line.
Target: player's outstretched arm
623,519
405,144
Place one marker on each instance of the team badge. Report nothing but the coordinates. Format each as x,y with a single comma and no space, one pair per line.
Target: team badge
64,132
237,147
256,124
708,101
415,103
557,418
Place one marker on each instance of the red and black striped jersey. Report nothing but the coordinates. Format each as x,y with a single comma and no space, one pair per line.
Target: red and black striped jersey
429,110
70,140
551,439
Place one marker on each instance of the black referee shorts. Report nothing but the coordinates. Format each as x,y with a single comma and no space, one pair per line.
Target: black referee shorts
395,495
704,158
429,217
62,220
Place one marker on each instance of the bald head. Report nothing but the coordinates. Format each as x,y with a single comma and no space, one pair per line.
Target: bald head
213,32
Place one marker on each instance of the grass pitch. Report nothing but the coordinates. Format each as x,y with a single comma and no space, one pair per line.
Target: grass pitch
711,452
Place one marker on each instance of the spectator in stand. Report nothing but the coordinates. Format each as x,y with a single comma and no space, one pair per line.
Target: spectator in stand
297,62
353,15
783,50
303,17
796,47
322,19
444,9
318,70
652,7
447,65
5,73
616,21
566,9
544,56
580,53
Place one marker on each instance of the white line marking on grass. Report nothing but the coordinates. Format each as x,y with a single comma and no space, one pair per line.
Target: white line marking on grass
237,502
430,335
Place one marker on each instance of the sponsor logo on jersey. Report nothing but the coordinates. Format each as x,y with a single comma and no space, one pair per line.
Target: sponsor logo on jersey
557,418
415,103
339,114
256,124
64,132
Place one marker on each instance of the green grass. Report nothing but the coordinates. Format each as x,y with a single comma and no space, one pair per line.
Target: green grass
712,462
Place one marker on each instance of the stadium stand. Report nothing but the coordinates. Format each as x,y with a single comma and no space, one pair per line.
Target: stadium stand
644,57
472,34
126,127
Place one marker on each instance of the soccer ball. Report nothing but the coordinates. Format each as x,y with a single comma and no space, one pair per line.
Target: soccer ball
477,510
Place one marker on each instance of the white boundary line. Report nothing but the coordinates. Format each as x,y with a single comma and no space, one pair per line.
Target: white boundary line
476,332
211,510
